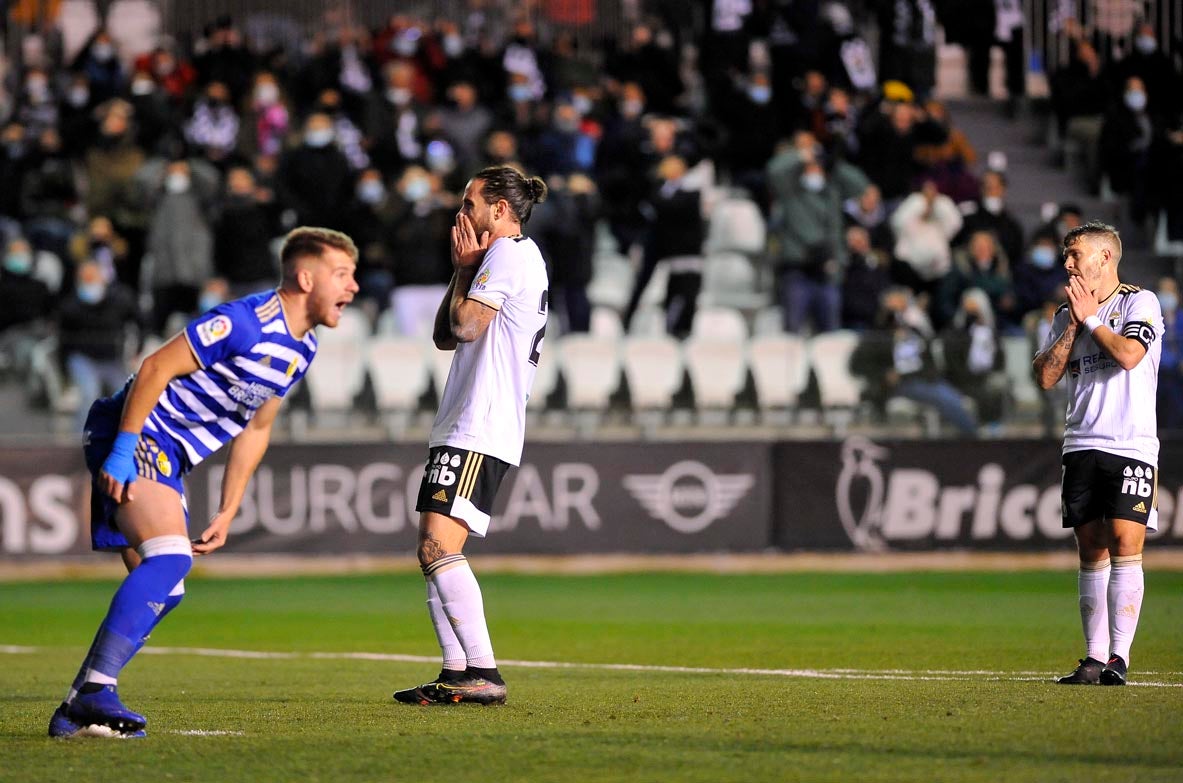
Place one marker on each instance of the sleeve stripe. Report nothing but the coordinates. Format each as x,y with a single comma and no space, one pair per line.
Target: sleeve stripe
484,301
192,350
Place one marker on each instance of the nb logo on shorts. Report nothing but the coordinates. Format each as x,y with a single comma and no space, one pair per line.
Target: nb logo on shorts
441,469
1137,481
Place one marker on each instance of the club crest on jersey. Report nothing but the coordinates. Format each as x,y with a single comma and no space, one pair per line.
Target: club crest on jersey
213,330
163,465
481,279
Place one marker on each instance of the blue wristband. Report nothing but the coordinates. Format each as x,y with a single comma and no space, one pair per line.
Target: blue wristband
121,462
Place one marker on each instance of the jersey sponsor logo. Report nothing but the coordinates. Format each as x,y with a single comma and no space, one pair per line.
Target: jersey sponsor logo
1089,364
1137,482
251,394
163,465
215,329
442,469
479,283
688,496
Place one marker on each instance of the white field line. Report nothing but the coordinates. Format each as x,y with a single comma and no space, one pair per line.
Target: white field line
971,675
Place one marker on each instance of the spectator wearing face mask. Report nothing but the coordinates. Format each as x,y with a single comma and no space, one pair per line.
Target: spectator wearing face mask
245,227
466,122
93,328
1170,375
347,136
368,223
989,213
157,119
754,124
418,238
1154,68
807,231
1127,137
36,108
867,277
99,60
564,147
265,121
179,250
394,117
314,179
1039,276
213,127
76,115
25,302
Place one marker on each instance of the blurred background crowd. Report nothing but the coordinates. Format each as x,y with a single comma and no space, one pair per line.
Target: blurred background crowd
790,160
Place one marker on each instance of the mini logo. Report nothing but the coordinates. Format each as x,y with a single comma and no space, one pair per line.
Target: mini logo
163,465
441,496
481,279
1140,508
156,608
689,496
215,329
265,361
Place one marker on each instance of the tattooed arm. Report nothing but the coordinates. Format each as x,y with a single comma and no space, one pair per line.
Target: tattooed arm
1051,363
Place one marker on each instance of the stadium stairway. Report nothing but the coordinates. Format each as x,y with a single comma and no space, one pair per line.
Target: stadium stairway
1034,180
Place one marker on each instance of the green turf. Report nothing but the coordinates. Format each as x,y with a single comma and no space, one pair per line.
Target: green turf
332,719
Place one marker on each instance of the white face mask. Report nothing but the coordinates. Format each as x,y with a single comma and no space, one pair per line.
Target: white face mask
1135,100
1168,301
813,182
370,191
1146,44
142,87
176,183
318,138
399,96
266,94
453,45
416,189
992,204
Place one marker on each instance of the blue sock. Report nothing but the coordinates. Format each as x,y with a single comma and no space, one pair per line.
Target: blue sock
137,607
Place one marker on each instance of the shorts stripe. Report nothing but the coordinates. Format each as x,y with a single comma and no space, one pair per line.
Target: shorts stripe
472,470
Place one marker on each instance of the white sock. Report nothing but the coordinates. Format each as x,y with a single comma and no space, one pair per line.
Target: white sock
99,678
450,647
1093,581
462,604
1126,586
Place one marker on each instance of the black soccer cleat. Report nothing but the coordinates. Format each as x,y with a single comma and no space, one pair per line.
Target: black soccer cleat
1114,671
426,694
469,689
1087,673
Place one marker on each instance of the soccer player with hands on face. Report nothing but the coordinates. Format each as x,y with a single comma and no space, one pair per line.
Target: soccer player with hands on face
1106,340
219,381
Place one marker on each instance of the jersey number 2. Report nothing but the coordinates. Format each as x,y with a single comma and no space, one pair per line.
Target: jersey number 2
536,344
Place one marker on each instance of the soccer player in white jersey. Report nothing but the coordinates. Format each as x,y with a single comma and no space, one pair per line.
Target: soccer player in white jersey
1106,340
219,381
494,318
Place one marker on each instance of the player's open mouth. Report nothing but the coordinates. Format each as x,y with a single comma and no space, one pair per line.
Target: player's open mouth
340,306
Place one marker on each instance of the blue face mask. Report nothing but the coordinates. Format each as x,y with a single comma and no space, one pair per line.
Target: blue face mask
760,94
208,301
370,191
91,293
519,93
417,189
19,263
1168,301
1043,257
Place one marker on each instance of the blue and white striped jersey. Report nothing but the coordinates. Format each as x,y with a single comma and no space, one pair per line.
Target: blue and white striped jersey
247,356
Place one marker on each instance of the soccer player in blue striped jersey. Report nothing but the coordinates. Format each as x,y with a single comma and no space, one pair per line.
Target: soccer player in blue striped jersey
219,381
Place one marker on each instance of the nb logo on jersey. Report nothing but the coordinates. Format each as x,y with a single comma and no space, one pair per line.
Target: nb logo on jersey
441,469
1137,481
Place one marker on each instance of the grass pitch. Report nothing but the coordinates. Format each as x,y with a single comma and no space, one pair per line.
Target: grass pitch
651,677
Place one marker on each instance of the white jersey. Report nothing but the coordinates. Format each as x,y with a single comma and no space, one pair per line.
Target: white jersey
1111,409
484,402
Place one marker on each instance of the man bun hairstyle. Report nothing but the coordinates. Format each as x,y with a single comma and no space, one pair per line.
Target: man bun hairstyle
304,241
518,190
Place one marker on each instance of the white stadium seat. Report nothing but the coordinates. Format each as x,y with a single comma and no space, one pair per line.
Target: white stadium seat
591,369
780,369
718,370
653,367
399,373
720,323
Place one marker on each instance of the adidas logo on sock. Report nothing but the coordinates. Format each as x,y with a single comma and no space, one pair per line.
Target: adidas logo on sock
1140,508
442,496
156,608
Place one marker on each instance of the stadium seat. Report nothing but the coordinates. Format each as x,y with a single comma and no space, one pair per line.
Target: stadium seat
730,280
720,323
653,367
780,369
840,390
591,369
718,371
354,325
648,321
612,280
545,379
1163,244
336,376
439,362
1017,358
768,320
605,322
736,226
398,370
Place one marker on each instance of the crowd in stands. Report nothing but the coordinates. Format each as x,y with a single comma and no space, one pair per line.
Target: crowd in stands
141,188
